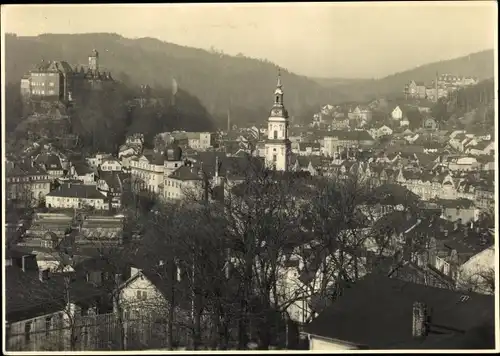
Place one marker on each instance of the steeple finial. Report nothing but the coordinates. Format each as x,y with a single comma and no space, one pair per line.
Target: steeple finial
279,78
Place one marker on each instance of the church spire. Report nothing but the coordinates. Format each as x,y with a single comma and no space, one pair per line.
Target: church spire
278,85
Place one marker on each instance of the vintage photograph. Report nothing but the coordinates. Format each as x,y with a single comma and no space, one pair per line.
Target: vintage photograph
250,176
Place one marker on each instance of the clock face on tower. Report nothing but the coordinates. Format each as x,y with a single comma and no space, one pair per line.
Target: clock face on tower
276,112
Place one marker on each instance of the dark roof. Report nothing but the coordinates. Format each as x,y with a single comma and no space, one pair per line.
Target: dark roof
376,312
114,180
350,135
81,167
77,190
393,194
186,173
28,297
456,203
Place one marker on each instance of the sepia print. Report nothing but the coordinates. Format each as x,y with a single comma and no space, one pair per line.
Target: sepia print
254,176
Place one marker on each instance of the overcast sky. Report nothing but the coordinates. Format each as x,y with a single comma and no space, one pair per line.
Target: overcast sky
315,39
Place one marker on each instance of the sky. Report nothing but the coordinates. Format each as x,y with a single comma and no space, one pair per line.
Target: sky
350,40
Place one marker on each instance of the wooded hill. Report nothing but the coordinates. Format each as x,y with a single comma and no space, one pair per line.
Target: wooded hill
480,65
221,82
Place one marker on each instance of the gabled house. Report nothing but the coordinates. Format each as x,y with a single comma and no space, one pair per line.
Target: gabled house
397,113
110,165
80,170
113,184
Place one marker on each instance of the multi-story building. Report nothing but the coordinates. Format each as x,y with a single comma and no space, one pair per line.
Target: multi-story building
338,141
77,196
184,181
58,81
27,186
278,146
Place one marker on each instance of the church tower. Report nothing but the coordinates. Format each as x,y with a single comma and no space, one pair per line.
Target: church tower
278,146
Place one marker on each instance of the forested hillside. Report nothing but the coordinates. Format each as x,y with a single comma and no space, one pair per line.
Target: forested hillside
102,119
480,65
221,82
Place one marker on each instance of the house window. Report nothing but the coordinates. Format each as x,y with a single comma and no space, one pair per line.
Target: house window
27,331
142,295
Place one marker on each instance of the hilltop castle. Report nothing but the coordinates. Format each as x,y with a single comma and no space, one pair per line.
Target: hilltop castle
57,81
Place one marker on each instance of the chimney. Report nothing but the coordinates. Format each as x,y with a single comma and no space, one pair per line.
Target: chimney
420,320
43,275
23,263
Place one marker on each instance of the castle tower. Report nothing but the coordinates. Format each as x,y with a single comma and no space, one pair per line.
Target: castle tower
94,61
278,146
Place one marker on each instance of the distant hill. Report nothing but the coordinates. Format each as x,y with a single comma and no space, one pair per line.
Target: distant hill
480,65
336,82
220,81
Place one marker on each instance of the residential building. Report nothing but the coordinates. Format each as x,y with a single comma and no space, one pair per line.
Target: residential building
184,181
148,293
42,308
463,210
111,165
96,161
26,185
80,170
113,184
397,113
77,196
463,164
338,141
416,89
147,172
51,163
425,315
278,146
360,113
430,124
201,141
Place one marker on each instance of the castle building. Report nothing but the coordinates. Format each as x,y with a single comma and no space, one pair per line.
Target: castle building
277,146
58,81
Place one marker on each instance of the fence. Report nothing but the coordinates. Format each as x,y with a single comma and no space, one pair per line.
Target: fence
105,332
94,333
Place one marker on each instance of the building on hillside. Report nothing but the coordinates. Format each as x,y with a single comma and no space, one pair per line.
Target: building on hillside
80,170
415,89
26,185
77,196
278,146
58,81
200,141
360,113
147,172
397,113
110,165
113,184
182,182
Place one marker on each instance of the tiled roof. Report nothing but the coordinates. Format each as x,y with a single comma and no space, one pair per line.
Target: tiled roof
376,312
186,173
28,297
77,191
